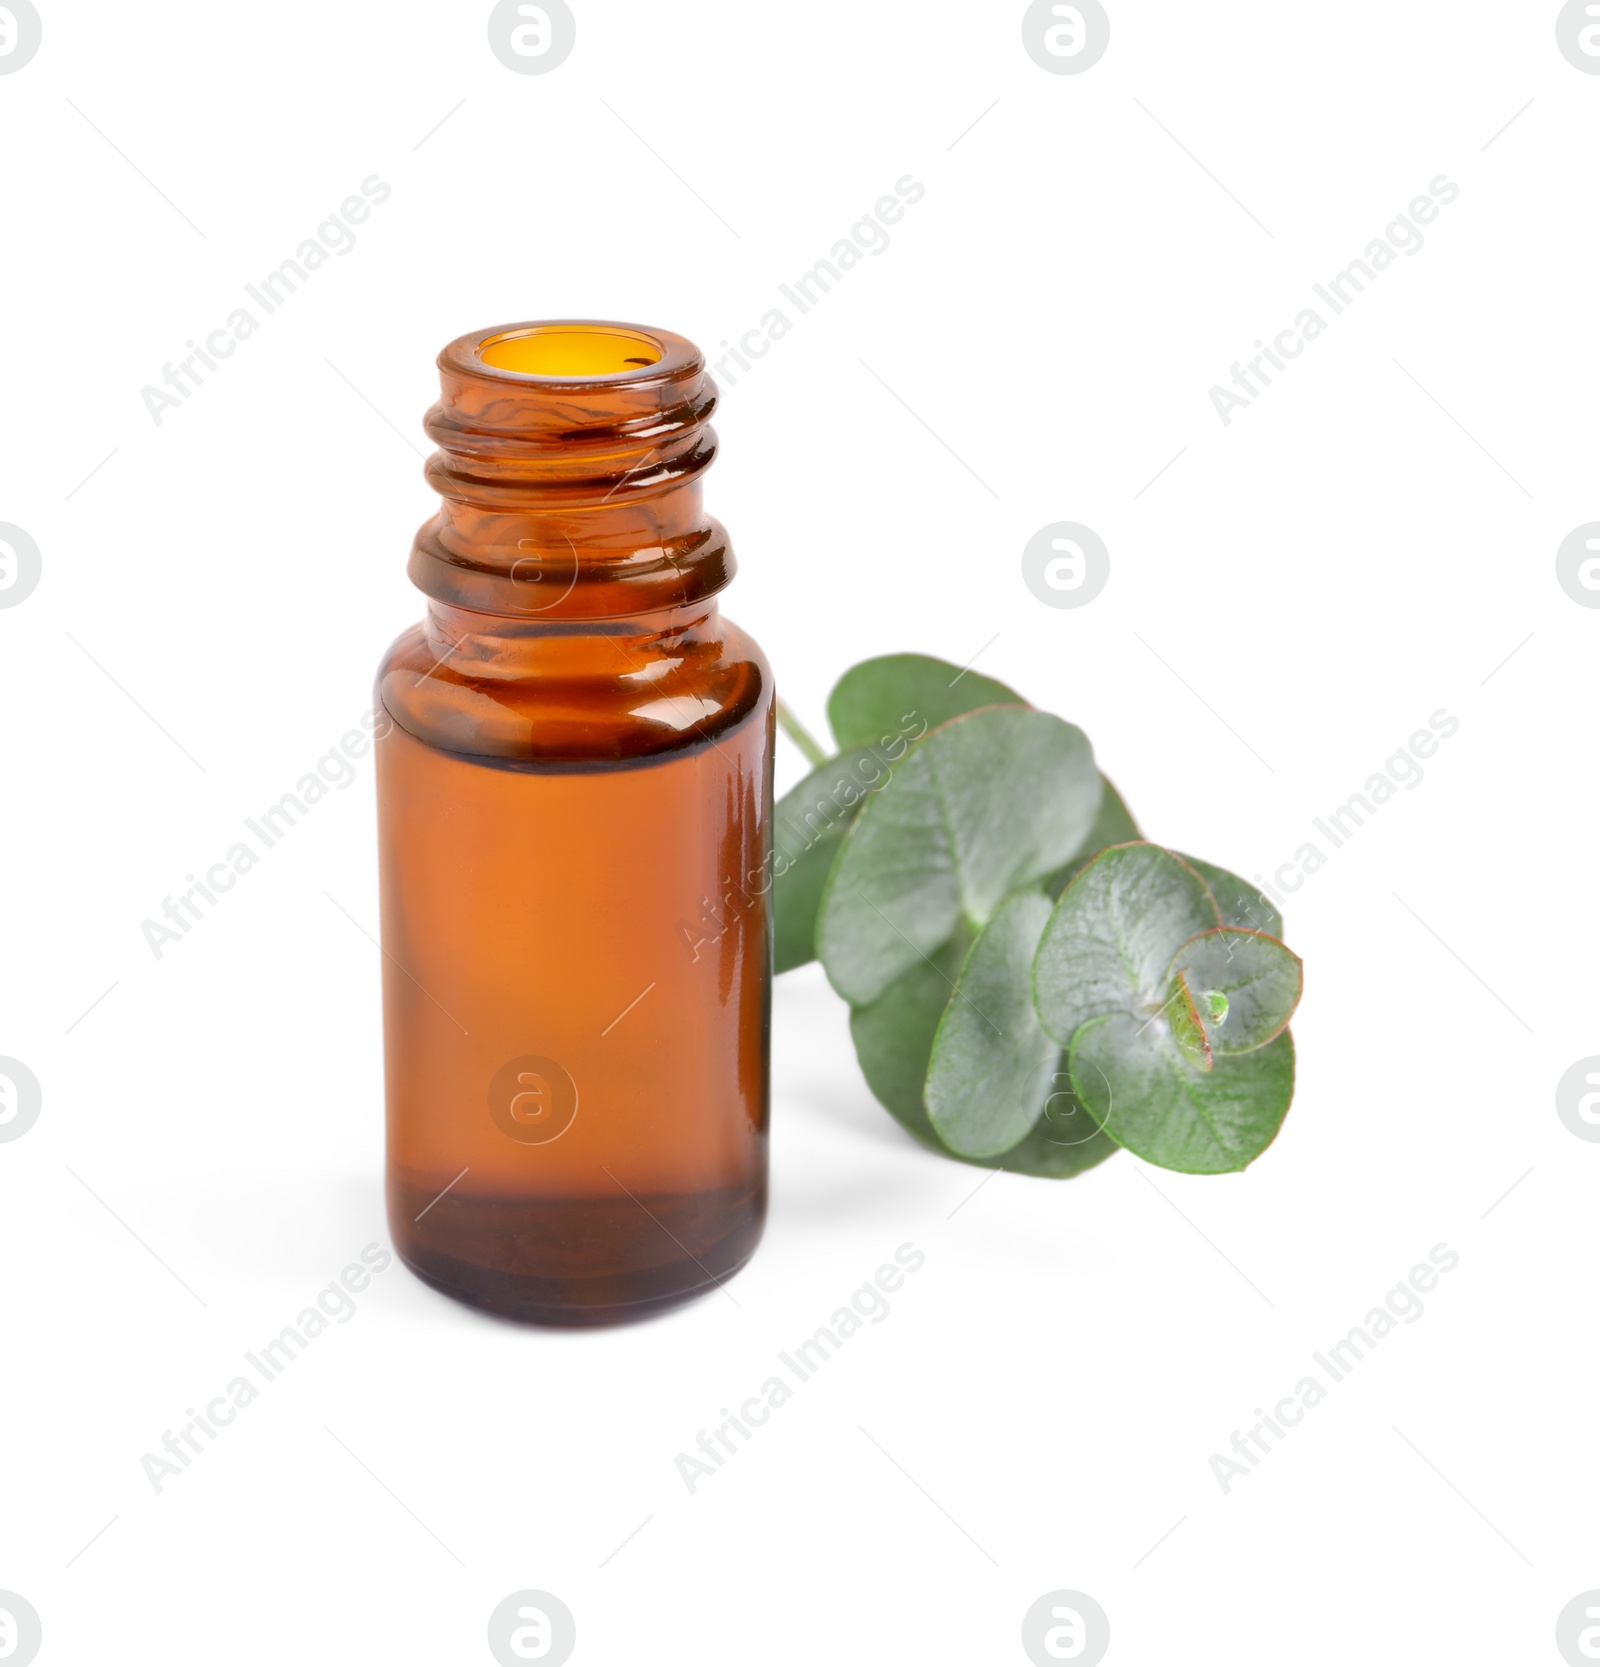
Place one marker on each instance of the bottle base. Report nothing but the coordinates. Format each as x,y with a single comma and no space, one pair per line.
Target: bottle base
576,1262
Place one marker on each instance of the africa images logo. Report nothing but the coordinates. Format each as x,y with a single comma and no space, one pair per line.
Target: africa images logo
20,565
1066,564
20,1631
20,1100
20,34
532,1626
1066,39
532,39
1065,1626
533,1100
1578,36
1577,1102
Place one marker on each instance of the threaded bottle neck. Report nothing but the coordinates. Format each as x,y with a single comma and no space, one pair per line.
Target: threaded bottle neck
571,489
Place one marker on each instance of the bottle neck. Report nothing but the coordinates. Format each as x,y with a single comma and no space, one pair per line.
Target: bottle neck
568,500
572,571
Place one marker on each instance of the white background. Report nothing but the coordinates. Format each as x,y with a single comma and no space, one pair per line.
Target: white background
1288,601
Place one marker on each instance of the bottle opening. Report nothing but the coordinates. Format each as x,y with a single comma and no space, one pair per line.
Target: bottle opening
573,350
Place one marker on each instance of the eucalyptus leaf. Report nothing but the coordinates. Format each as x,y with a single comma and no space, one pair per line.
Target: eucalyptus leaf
1245,986
892,702
887,696
1138,1086
1113,826
993,800
992,1066
1238,902
1108,947
894,1034
894,1037
1188,1022
809,822
1064,1142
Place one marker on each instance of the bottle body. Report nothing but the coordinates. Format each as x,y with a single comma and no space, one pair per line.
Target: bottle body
574,794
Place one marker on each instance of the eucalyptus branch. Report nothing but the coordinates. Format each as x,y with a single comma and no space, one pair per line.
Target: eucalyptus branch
1033,985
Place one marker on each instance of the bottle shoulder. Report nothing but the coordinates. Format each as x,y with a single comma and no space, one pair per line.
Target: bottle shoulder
566,696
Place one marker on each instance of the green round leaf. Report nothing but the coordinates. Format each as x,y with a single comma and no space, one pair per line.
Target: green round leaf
1238,902
1188,1022
1064,1142
1113,826
992,1066
1255,979
884,705
1110,942
994,800
1142,1091
808,825
894,1035
907,695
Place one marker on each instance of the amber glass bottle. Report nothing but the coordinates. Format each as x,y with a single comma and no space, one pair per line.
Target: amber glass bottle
575,805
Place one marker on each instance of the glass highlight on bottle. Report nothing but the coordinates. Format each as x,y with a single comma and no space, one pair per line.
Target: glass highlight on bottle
575,804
